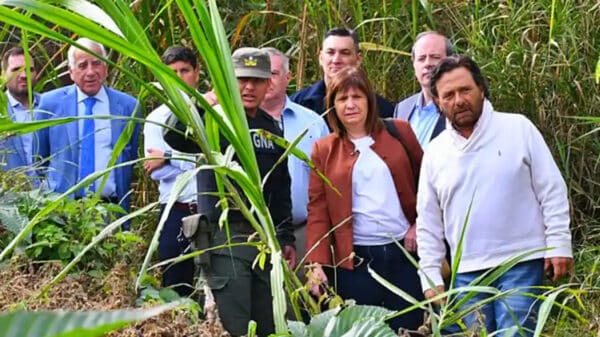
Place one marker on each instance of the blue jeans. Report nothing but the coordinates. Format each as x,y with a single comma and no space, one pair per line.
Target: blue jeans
514,310
390,262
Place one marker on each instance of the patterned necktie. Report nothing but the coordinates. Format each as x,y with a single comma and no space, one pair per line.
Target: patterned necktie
87,153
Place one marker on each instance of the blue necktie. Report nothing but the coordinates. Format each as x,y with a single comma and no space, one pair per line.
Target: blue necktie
87,153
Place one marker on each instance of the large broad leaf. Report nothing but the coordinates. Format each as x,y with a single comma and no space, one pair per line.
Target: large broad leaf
12,219
298,329
72,324
318,323
347,317
370,327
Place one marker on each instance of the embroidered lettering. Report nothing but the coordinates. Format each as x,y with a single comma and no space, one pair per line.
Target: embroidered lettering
261,142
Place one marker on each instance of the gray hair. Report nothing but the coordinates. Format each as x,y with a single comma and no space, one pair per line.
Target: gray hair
276,52
84,42
449,46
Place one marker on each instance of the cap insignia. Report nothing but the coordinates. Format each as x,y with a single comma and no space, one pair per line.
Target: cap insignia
250,62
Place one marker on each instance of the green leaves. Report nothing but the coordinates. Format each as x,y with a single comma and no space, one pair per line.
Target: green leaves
345,322
354,320
291,148
116,26
598,71
73,324
6,125
11,218
370,327
319,322
544,311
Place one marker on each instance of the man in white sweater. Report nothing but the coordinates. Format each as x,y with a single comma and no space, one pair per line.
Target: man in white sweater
492,175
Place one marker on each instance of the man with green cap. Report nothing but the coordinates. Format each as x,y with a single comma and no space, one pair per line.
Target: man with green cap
243,291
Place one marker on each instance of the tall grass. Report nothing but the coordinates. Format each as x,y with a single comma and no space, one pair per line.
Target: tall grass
114,25
540,57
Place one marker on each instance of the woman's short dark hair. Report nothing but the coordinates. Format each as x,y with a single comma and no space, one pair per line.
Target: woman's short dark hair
351,78
454,62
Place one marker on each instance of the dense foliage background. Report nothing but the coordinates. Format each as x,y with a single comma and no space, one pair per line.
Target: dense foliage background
539,57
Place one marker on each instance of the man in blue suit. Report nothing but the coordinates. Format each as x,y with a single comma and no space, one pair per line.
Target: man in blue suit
78,149
17,151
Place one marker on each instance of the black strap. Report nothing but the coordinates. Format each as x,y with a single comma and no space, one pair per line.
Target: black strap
440,126
392,130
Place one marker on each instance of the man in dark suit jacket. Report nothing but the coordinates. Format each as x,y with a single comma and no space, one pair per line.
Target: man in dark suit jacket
419,109
340,49
18,151
80,148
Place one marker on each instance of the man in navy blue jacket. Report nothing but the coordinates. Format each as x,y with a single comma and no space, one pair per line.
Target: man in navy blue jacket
340,49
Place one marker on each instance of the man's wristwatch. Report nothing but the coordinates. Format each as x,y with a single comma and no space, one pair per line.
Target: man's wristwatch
167,156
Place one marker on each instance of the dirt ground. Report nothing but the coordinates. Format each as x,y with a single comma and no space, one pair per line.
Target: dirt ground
20,282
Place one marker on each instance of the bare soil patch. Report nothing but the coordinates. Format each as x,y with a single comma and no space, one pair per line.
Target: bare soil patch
21,281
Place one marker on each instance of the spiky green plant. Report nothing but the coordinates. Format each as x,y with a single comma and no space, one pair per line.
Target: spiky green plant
81,324
113,24
540,56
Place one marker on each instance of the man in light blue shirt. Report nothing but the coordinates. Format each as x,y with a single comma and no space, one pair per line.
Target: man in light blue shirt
18,151
427,122
419,109
77,149
164,169
293,119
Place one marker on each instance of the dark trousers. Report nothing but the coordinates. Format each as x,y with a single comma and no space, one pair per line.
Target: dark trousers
242,294
180,275
390,262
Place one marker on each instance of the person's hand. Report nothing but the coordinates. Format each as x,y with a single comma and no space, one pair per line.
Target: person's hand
289,254
557,267
153,164
211,97
430,293
410,239
316,278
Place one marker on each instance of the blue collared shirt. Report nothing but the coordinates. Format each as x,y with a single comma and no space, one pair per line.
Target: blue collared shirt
102,138
295,119
423,120
20,114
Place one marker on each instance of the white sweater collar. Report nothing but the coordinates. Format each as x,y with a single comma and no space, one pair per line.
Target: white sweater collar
479,129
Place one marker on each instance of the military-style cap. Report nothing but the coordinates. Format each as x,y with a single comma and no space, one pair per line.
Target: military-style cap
251,62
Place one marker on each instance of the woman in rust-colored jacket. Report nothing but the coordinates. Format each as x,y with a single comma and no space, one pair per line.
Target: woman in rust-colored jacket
372,207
